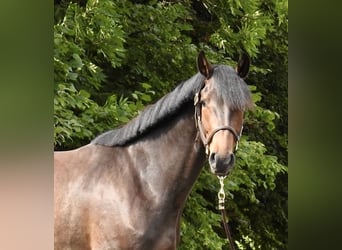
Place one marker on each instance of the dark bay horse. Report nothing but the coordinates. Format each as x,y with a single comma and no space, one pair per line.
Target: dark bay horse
127,188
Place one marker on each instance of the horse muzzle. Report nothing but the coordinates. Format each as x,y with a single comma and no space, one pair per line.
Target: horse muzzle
221,165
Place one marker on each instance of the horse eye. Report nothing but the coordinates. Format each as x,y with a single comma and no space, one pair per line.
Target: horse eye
203,104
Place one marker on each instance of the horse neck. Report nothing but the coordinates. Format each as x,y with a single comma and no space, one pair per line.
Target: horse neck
171,158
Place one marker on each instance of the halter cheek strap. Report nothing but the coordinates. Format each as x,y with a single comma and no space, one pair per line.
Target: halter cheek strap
198,122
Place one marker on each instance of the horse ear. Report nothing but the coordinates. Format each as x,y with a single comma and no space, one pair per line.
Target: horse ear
204,66
243,65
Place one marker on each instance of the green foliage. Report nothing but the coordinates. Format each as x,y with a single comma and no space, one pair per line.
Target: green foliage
112,58
78,119
199,224
158,51
86,38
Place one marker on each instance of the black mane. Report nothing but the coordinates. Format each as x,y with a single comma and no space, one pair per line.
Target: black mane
153,114
231,88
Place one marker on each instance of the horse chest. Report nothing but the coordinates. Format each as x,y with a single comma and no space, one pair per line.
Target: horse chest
124,221
141,231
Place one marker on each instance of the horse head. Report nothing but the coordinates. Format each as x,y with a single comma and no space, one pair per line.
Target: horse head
219,107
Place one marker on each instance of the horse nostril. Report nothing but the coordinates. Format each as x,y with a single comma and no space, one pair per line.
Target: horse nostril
231,159
212,158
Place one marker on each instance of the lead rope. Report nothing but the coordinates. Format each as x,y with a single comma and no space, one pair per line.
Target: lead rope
221,197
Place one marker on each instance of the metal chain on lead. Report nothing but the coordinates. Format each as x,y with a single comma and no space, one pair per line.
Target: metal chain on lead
221,194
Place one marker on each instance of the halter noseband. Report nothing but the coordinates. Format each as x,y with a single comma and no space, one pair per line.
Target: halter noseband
198,121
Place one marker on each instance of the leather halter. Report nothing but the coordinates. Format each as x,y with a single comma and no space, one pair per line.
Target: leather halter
198,121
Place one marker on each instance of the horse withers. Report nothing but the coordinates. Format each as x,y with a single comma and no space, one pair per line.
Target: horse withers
127,188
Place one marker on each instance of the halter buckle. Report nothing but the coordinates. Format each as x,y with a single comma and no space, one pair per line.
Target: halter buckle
196,98
207,150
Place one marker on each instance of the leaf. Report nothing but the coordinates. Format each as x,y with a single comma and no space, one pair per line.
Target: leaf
84,93
77,61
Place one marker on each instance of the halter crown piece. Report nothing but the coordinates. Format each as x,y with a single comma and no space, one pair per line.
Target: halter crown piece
198,121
